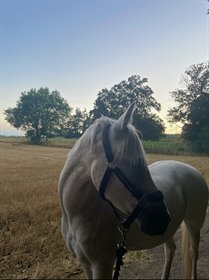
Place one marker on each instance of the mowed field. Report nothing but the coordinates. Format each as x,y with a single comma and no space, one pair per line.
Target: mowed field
31,245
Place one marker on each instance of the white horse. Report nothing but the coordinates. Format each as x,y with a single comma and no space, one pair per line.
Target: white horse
89,225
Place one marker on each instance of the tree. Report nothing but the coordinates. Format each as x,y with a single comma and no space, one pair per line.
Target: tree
151,128
192,108
40,113
113,102
86,120
196,80
78,123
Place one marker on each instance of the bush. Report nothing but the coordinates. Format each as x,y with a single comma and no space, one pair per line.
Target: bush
201,143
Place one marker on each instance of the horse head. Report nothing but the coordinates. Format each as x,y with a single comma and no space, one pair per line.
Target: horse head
120,173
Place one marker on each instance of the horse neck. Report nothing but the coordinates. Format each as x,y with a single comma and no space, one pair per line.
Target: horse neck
142,178
147,182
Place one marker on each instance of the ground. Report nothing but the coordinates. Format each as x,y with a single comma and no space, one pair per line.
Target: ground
31,246
152,266
149,265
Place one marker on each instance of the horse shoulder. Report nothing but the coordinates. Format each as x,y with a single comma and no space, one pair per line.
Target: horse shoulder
183,185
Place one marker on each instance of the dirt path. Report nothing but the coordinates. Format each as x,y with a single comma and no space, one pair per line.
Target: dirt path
152,265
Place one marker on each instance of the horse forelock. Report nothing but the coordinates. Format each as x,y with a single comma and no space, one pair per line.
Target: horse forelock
126,143
129,147
97,129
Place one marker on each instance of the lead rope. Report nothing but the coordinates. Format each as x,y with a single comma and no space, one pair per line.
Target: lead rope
120,252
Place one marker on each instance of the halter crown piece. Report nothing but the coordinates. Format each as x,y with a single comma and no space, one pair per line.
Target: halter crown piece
150,209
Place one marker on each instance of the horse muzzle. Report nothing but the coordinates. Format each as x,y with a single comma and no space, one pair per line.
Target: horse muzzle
154,218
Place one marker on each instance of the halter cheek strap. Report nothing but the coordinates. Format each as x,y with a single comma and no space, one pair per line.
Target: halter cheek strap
142,203
104,182
109,170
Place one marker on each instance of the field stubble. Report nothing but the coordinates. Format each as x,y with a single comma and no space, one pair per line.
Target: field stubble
31,245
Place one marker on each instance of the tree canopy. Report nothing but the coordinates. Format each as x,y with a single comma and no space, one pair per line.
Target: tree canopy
77,123
40,113
192,104
113,102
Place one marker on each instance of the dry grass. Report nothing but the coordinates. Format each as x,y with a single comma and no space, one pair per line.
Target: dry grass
30,241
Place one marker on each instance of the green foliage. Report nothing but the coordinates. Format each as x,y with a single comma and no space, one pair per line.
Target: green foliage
40,113
113,102
168,146
151,127
196,80
192,107
201,143
77,124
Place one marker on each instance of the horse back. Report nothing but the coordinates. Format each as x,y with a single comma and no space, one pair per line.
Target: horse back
183,186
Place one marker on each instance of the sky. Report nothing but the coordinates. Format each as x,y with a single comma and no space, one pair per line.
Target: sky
79,47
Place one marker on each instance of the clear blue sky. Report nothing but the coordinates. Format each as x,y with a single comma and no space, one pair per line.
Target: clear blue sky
79,47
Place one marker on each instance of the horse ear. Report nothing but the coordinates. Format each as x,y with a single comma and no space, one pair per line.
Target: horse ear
126,118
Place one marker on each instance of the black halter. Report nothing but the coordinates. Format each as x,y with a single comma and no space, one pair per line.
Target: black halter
143,199
150,207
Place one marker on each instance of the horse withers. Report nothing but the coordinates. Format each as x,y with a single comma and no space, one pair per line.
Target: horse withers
107,187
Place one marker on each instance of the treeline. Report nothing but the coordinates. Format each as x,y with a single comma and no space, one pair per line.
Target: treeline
192,107
43,114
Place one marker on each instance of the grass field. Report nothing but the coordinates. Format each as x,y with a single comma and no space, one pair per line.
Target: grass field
30,241
173,145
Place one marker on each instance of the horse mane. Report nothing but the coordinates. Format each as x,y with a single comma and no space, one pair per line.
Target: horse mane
130,148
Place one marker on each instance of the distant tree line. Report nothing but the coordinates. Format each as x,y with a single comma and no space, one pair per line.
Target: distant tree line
192,106
45,114
42,113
